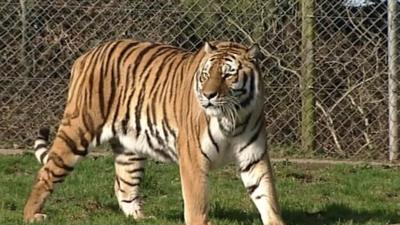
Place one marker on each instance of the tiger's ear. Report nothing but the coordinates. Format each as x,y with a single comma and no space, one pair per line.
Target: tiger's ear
253,53
208,48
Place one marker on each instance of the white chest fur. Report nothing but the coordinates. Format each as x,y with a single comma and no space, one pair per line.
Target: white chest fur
243,143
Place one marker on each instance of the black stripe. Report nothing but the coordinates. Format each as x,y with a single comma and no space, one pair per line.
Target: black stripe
100,90
133,73
167,153
212,139
100,86
160,152
118,183
250,97
126,118
116,112
128,183
129,153
165,60
139,58
39,146
154,132
138,109
168,73
253,138
149,122
245,77
104,73
127,86
167,92
121,60
139,106
129,161
88,122
260,196
158,53
54,174
44,134
252,188
123,163
172,152
178,84
205,155
164,129
113,86
175,82
98,137
242,126
42,156
59,162
130,200
171,77
89,73
136,170
84,143
222,128
169,129
58,181
251,164
136,158
129,47
156,84
156,150
71,144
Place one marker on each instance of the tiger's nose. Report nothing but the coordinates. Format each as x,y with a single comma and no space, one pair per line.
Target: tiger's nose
210,94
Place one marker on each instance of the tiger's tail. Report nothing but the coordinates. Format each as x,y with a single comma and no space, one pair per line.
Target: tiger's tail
41,145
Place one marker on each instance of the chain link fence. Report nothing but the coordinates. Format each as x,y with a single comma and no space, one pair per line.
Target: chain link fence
326,64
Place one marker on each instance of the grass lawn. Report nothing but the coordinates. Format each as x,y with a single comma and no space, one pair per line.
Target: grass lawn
309,194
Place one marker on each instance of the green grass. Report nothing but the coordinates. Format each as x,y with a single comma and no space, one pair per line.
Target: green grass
309,194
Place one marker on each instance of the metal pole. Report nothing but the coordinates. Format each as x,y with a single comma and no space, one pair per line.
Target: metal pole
392,86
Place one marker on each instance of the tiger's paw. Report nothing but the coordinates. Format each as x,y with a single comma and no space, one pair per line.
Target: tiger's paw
37,217
133,210
138,215
278,222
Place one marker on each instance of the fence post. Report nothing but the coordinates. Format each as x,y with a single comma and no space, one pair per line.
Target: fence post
392,83
308,76
23,58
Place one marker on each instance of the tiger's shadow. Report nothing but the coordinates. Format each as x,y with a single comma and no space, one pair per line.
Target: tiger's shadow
332,214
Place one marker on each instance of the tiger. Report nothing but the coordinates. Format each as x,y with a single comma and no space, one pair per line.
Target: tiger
200,109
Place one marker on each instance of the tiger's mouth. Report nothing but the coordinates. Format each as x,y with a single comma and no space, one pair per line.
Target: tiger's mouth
208,105
213,110
219,109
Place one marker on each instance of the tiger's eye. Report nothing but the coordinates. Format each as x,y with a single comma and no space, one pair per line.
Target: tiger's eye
203,77
229,75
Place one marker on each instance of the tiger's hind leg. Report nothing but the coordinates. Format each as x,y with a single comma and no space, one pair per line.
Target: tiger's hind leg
129,172
70,144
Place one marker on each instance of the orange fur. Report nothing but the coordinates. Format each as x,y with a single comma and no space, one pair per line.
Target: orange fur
138,90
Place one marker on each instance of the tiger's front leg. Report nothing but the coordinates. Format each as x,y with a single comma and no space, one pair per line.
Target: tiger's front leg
193,171
257,176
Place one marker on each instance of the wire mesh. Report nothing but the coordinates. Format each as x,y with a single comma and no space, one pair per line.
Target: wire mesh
39,40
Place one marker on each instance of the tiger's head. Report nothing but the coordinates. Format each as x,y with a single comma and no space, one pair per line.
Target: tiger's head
227,81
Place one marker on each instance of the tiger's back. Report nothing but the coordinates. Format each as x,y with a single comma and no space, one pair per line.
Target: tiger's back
129,90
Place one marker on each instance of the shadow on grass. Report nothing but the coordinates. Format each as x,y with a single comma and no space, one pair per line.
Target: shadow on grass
219,213
335,213
332,214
